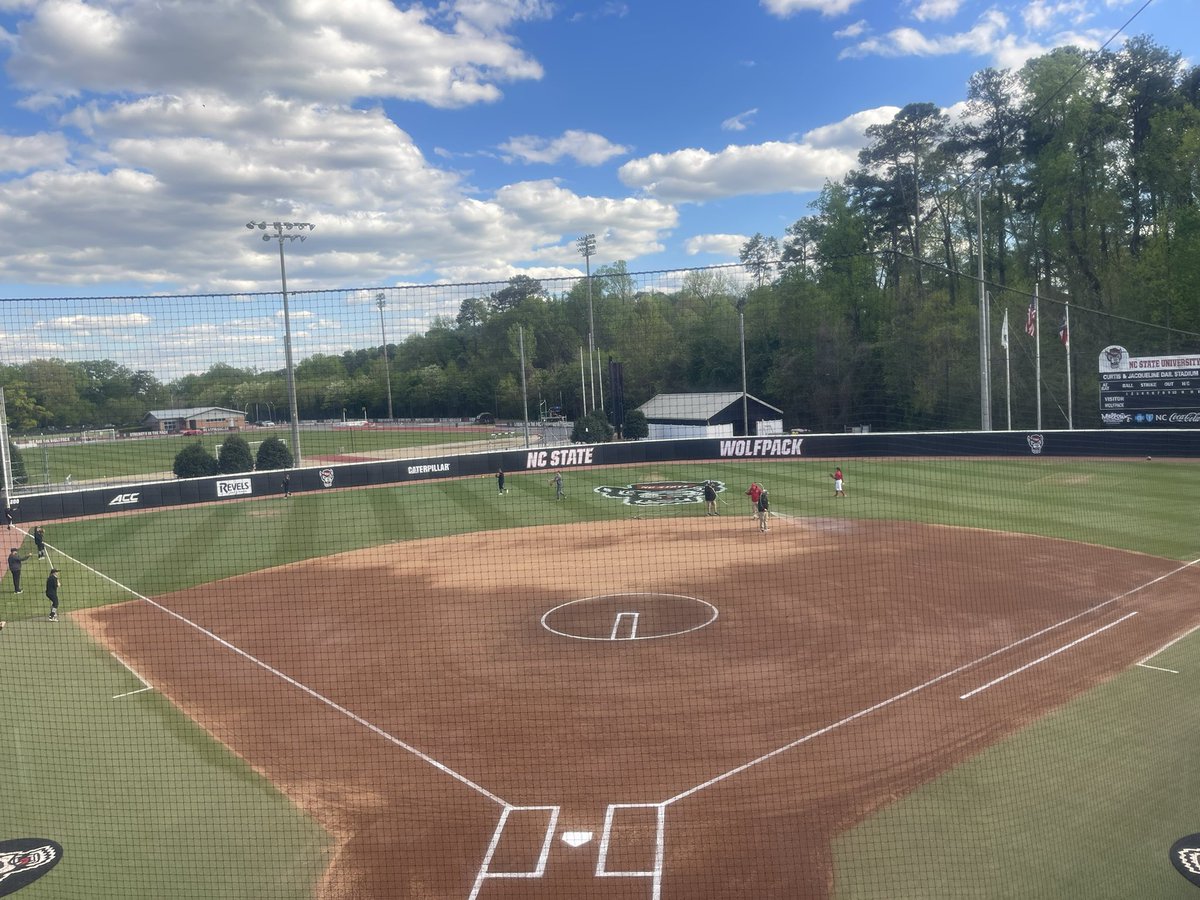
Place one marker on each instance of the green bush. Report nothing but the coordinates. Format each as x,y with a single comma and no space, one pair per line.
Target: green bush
594,428
273,454
193,461
636,426
235,456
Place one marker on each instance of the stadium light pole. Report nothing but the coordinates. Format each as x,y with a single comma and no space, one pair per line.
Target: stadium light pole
741,308
587,246
381,302
282,233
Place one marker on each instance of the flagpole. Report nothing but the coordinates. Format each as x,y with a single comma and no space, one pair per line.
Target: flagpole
1007,371
1067,345
1037,333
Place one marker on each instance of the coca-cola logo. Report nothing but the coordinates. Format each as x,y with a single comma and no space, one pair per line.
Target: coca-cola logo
1190,418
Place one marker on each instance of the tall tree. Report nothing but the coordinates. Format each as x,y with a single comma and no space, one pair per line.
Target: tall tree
760,256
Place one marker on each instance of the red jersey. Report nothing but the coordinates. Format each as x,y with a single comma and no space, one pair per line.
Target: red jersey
754,492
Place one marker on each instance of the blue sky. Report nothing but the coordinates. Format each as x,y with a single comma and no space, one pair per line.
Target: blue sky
463,141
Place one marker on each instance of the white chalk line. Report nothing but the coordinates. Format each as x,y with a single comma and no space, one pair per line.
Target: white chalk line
1042,659
337,707
145,685
131,693
918,688
1143,663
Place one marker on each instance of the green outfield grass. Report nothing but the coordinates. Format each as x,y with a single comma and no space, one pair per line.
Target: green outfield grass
145,804
1085,803
132,457
62,685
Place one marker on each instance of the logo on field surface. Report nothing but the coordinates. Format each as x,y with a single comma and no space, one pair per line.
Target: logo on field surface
25,860
1185,856
125,499
326,477
1036,442
659,493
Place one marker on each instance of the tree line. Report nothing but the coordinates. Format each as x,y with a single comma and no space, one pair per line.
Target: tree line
1081,171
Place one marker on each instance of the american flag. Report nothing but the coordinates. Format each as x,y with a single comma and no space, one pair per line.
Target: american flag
1031,319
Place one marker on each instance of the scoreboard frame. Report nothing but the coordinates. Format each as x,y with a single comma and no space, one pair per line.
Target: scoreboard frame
1149,391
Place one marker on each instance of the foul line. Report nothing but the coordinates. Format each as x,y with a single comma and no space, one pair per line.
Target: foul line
1145,662
353,716
1042,659
920,687
145,685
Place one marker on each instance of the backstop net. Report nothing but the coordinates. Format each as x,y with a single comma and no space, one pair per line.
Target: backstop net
664,585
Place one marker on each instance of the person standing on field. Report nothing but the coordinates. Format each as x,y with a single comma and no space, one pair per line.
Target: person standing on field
753,493
14,565
839,484
286,484
9,515
500,480
558,485
710,499
52,594
763,506
39,540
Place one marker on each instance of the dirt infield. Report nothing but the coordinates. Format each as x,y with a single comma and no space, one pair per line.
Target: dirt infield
676,708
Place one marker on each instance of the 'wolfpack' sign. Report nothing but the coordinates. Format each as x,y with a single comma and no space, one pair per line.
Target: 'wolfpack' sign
778,446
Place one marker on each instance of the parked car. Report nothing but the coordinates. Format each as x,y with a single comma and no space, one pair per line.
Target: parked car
191,432
485,418
266,423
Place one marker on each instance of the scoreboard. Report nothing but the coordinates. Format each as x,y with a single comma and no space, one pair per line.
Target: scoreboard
1148,390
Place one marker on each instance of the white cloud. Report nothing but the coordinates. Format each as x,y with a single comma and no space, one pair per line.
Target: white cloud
853,30
166,184
728,245
610,9
496,15
697,175
850,133
925,10
980,40
20,153
739,122
369,48
824,153
785,8
584,147
1045,15
991,37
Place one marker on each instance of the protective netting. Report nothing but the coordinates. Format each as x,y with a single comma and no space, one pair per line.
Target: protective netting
520,669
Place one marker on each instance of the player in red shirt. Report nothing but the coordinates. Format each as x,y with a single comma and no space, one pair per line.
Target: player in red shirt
753,493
